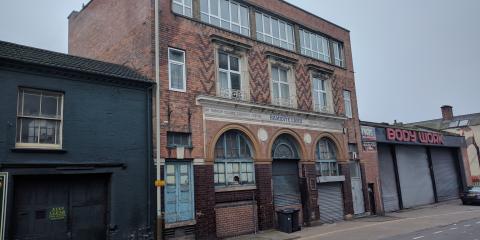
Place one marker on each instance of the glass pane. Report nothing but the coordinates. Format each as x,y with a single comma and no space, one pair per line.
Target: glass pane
236,28
171,180
48,131
225,24
221,178
224,9
183,169
214,7
283,34
283,75
234,63
184,180
259,23
204,17
266,25
188,3
188,11
250,177
244,167
275,90
275,31
235,78
170,169
223,80
316,84
175,55
49,106
30,129
215,21
275,76
234,10
31,104
221,168
285,91
244,17
307,40
20,102
289,34
223,61
215,178
176,76
177,8
204,6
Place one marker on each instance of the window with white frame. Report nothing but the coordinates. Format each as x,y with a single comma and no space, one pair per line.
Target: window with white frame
39,118
326,162
229,74
226,14
176,70
338,54
183,7
348,103
314,45
233,160
320,97
274,31
281,87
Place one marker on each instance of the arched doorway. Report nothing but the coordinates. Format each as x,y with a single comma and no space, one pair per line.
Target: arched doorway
330,196
285,178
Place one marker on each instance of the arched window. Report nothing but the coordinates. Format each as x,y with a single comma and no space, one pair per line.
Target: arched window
284,147
327,158
233,160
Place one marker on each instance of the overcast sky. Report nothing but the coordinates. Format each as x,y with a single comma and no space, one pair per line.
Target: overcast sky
410,56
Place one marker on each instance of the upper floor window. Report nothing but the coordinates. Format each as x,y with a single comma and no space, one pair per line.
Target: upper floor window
226,14
229,76
274,31
320,99
348,103
281,87
338,54
314,45
39,119
176,70
327,158
233,160
183,7
179,139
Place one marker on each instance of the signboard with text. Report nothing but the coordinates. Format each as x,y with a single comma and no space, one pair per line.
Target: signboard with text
368,133
412,136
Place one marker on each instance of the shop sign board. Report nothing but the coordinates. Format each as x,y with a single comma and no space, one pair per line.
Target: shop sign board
368,133
412,136
369,146
3,201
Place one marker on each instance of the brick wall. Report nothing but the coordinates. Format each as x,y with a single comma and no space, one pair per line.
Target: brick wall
236,219
204,202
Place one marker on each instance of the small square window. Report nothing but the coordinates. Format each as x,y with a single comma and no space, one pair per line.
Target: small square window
178,139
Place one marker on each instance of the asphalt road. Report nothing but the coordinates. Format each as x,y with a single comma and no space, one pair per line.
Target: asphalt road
464,230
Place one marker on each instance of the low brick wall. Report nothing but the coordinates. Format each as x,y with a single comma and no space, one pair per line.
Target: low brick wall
235,219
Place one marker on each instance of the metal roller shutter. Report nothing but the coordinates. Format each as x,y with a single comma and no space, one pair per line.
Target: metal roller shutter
330,202
387,179
286,191
446,174
414,173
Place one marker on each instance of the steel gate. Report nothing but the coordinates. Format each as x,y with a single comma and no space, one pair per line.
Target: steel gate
330,202
387,179
286,191
446,173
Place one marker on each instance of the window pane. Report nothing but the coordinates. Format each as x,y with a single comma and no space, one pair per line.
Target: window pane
175,55
224,9
176,76
177,8
266,25
275,90
244,17
283,75
204,6
235,78
285,91
48,131
31,104
188,3
275,76
275,31
289,34
29,130
234,65
223,61
223,80
283,34
236,28
49,106
234,9
214,7
259,22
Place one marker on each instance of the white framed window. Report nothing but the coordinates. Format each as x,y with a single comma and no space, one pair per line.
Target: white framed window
274,31
176,70
348,103
314,45
326,161
320,98
233,160
183,7
281,87
226,14
338,54
39,119
230,77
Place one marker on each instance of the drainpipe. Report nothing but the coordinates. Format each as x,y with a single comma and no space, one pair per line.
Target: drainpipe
157,121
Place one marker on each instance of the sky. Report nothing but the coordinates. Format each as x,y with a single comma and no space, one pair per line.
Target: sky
410,56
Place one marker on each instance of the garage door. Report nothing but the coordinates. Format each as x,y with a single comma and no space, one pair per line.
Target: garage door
286,191
414,174
53,207
330,202
446,174
387,179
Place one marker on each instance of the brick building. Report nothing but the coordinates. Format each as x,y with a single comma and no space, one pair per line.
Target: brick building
258,109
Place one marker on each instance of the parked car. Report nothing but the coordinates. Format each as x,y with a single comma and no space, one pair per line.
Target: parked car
471,196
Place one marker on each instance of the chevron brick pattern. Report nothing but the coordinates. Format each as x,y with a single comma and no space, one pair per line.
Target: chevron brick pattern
206,58
259,78
304,96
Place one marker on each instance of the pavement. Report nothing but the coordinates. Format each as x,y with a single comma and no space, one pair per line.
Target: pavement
441,221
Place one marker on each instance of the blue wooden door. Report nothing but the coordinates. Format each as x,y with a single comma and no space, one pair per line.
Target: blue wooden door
178,192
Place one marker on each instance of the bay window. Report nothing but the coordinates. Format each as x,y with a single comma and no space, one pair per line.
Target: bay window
314,45
274,31
183,7
39,119
226,14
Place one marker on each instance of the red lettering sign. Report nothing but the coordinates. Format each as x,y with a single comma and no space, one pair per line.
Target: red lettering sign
403,135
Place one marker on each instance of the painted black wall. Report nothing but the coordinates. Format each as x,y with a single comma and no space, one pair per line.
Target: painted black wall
106,129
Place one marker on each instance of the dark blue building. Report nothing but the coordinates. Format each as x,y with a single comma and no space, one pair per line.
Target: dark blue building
75,144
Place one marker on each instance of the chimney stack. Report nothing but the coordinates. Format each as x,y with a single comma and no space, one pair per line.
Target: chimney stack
447,112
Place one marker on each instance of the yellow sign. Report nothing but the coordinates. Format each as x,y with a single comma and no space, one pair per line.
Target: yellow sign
159,183
57,213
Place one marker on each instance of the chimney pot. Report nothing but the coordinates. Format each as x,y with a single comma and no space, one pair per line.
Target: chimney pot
447,112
